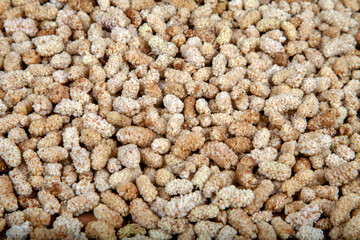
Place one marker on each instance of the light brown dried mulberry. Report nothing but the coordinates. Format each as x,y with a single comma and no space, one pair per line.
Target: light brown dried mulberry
220,153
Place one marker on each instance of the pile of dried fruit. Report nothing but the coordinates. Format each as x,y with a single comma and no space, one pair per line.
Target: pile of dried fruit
187,119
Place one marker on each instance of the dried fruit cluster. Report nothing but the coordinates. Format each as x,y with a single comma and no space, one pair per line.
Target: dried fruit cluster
194,119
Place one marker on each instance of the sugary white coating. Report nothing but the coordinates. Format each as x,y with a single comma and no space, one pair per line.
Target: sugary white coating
161,145
15,218
337,19
101,180
159,46
313,143
173,225
20,232
10,152
173,104
42,105
226,232
81,159
193,55
129,156
223,102
174,124
263,155
113,165
281,103
127,106
69,226
158,207
307,216
180,206
219,65
275,170
308,232
265,216
120,34
339,45
326,4
261,138
333,160
159,234
26,25
233,197
91,120
3,108
178,186
70,138
69,107
345,152
48,45
207,229
202,106
270,46
83,186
